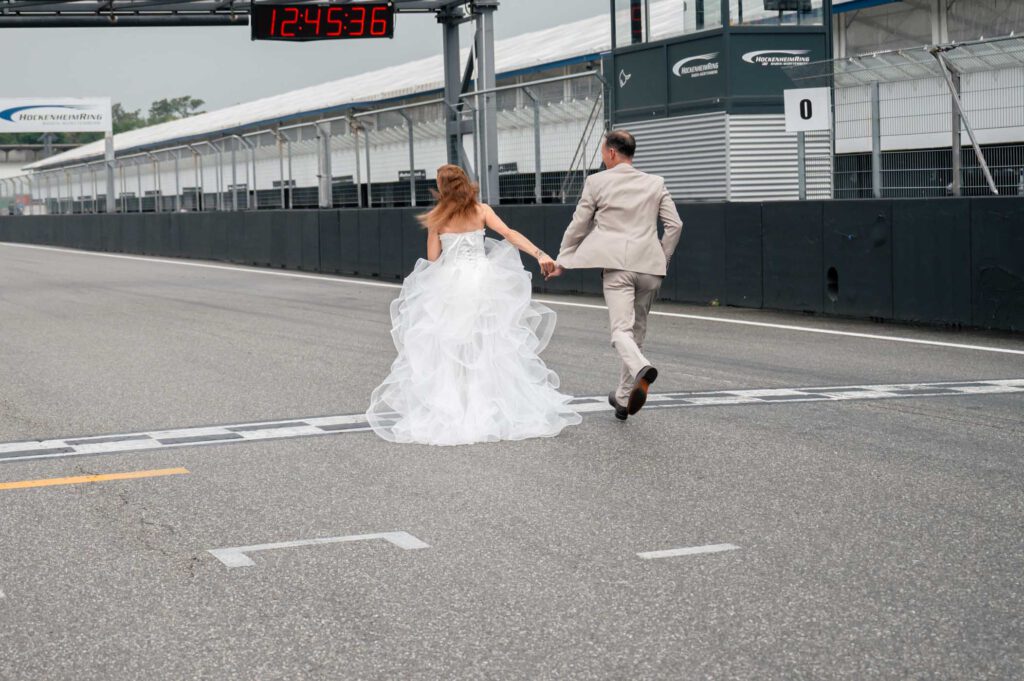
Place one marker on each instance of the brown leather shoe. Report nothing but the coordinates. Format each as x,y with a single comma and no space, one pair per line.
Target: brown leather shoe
620,412
642,383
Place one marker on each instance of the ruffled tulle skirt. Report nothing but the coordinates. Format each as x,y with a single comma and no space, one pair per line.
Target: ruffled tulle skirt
468,337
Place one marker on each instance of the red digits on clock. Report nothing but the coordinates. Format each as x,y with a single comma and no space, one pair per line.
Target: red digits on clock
358,24
331,20
379,25
314,22
294,20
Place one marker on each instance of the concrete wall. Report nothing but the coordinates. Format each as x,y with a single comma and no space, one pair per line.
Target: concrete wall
938,261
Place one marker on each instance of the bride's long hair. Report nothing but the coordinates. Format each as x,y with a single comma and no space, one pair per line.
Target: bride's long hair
455,195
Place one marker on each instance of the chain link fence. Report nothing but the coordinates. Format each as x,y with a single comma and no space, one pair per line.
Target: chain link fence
899,131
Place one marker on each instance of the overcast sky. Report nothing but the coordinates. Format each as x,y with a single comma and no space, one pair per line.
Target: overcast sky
220,64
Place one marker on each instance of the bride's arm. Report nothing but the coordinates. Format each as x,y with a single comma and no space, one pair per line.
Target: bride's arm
433,245
515,238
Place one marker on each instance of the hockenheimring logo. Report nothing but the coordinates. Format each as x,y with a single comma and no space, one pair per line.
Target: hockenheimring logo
20,114
683,67
777,57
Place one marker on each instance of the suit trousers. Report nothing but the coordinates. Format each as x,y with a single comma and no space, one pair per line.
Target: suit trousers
629,296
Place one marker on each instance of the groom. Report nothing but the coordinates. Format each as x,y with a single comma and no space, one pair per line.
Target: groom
615,227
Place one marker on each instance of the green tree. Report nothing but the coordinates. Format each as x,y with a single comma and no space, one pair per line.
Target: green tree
124,120
164,110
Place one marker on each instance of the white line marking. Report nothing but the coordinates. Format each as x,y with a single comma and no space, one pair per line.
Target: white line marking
693,550
805,329
546,301
356,423
230,268
235,556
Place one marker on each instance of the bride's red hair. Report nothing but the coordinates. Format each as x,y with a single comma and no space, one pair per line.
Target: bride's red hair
456,198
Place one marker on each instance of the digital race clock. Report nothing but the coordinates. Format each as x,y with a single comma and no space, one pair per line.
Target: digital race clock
322,21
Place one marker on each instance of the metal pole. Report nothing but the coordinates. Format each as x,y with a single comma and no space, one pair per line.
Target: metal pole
157,184
234,177
452,82
955,147
138,179
71,193
412,158
177,181
612,14
947,70
109,164
250,184
27,179
291,179
280,165
369,177
359,174
220,175
538,178
197,176
876,143
95,192
488,110
124,188
323,157
801,163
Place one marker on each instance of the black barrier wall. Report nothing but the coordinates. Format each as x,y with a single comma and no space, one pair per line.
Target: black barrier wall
935,261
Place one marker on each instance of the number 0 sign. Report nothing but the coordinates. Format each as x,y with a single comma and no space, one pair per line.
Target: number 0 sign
808,109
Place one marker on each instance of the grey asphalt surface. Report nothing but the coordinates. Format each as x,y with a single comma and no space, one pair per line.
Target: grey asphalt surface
878,539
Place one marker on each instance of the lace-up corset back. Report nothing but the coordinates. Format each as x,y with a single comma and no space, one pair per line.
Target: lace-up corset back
463,246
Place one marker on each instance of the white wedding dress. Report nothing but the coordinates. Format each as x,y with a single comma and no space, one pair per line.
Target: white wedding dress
468,337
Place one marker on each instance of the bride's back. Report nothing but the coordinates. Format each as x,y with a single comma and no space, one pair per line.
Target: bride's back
469,222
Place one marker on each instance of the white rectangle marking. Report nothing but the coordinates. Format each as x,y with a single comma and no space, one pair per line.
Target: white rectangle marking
272,433
856,394
235,556
723,399
689,551
31,445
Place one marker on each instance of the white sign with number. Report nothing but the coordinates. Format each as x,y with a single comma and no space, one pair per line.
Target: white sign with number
808,109
55,114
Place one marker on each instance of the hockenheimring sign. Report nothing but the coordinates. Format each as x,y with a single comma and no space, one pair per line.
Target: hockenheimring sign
64,114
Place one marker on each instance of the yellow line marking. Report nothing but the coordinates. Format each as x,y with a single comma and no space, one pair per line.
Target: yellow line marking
92,478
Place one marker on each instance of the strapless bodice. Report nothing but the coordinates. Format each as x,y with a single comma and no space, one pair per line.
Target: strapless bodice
463,246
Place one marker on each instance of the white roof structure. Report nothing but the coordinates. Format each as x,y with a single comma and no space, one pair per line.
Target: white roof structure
526,52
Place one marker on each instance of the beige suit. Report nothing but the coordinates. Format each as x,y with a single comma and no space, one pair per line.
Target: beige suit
615,227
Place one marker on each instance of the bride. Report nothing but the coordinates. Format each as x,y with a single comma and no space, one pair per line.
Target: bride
468,335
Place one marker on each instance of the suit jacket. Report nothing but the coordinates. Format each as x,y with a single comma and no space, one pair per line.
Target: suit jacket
615,225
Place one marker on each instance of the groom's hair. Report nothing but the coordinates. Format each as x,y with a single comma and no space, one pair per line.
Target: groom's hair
622,142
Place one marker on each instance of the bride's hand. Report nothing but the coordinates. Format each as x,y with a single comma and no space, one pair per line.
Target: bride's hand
547,265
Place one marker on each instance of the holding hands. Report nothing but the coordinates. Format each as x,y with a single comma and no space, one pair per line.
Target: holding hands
548,267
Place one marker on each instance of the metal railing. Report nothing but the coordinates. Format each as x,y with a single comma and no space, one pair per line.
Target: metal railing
549,131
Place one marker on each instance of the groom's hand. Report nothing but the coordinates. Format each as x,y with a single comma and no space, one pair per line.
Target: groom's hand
557,271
